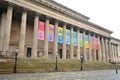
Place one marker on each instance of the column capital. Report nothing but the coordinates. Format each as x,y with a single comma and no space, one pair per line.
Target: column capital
84,31
57,21
94,34
78,29
99,35
71,27
10,4
36,13
64,24
25,9
47,17
36,16
89,32
102,37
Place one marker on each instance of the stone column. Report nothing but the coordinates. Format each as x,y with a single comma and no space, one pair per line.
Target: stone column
103,49
46,38
109,51
99,49
78,44
117,48
94,48
2,30
113,53
106,50
116,55
22,34
71,43
90,56
64,42
56,40
35,40
84,47
7,30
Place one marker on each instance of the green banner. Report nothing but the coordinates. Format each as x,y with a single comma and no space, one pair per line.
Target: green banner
81,40
60,35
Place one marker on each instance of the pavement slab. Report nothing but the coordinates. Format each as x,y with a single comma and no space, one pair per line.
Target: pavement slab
79,75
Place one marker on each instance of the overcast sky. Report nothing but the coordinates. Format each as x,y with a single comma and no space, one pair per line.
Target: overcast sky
105,13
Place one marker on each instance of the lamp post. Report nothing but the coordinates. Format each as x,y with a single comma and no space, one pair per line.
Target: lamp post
82,60
116,65
56,64
14,68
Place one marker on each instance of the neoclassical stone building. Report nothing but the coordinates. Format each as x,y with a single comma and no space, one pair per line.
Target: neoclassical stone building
45,29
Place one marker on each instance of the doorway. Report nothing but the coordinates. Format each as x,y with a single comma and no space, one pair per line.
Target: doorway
60,53
97,55
28,52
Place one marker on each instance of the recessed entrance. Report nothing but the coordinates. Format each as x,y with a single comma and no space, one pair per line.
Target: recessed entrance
28,52
60,53
97,55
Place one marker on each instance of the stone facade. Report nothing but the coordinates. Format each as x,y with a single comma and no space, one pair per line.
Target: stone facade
19,25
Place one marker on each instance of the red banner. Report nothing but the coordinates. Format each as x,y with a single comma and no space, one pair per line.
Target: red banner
96,43
41,26
91,42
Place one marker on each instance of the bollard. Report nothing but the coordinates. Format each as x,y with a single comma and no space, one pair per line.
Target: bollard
15,64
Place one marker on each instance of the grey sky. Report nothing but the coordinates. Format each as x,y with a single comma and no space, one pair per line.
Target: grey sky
105,13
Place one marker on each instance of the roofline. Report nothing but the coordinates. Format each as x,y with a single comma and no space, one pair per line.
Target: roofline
70,9
99,27
115,38
88,22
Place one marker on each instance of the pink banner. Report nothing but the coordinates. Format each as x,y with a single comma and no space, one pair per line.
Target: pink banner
41,26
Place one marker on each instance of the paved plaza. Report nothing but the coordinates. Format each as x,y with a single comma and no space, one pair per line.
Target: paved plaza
83,75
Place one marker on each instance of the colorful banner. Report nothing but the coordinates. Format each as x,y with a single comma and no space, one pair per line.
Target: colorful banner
41,26
91,42
67,36
60,35
51,33
81,40
75,38
86,41
96,43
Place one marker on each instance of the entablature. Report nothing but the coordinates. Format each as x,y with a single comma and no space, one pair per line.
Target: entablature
53,14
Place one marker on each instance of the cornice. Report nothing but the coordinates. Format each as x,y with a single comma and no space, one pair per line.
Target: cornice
58,7
53,5
115,39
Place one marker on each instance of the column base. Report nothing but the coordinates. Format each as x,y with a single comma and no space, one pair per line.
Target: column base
4,53
21,55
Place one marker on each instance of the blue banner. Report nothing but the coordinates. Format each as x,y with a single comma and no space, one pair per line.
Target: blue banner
60,35
75,38
51,33
67,36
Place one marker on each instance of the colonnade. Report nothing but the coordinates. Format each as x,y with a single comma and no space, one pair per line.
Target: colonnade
107,51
